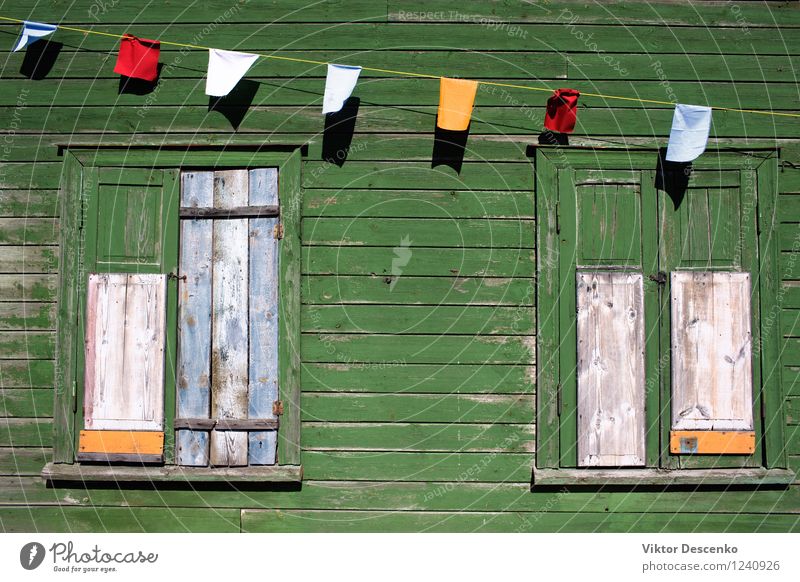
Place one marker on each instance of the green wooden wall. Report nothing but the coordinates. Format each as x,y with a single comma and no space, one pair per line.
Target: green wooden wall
431,430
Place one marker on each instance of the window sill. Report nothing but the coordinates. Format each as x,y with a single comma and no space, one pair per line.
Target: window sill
659,477
86,473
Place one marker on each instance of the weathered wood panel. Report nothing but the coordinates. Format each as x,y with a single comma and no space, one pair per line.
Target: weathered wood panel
611,397
194,323
124,379
712,376
263,316
229,357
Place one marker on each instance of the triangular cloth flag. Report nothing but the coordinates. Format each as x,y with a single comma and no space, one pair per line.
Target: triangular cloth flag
562,111
33,31
689,135
339,85
138,58
456,98
225,69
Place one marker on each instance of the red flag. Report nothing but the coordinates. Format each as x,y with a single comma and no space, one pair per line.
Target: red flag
138,58
562,110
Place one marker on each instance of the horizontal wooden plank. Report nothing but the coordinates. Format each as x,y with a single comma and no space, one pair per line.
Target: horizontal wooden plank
284,521
711,477
26,202
425,261
134,443
174,473
419,203
418,349
494,13
27,373
30,316
455,408
405,319
21,287
222,213
26,402
118,519
457,495
551,37
431,378
399,289
26,432
595,121
405,233
28,231
397,436
126,176
35,176
19,461
29,259
707,442
31,345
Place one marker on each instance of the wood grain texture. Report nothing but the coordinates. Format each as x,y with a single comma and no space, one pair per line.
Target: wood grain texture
712,376
611,422
263,315
229,357
124,382
194,320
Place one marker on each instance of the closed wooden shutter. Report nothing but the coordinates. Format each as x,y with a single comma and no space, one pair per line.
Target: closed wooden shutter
129,249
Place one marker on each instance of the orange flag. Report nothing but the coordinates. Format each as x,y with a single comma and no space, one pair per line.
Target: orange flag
456,97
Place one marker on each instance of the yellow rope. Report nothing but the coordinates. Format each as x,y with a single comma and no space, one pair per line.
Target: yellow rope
423,75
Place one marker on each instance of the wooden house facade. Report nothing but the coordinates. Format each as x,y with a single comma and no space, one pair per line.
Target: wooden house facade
237,314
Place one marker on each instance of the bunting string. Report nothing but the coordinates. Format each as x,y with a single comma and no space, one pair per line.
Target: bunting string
411,74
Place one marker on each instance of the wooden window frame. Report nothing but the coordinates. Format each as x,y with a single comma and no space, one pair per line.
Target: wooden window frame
547,468
68,395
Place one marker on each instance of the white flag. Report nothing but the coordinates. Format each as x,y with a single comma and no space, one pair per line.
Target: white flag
33,31
689,135
339,85
225,69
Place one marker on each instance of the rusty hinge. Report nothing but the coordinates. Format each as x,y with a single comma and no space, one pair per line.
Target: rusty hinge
278,231
660,278
174,275
277,408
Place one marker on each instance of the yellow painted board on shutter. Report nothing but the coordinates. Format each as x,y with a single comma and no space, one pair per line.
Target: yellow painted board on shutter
120,445
712,442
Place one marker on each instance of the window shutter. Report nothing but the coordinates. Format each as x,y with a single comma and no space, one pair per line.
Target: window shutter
129,249
712,375
611,369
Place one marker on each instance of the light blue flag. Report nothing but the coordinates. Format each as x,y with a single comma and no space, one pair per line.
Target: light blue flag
33,31
689,134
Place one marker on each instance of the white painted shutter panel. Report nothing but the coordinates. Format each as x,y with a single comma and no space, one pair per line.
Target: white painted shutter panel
712,375
124,378
611,420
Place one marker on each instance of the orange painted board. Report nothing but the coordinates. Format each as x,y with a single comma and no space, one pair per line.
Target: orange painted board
456,98
121,442
712,442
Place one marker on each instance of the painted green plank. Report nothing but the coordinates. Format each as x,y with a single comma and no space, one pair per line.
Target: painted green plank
792,410
538,37
426,261
790,378
417,349
19,461
789,296
91,12
440,319
29,259
25,432
406,233
402,203
401,377
451,408
417,466
27,344
21,316
513,438
282,521
36,176
417,290
25,373
117,519
26,402
28,231
460,495
494,13
28,203
116,177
